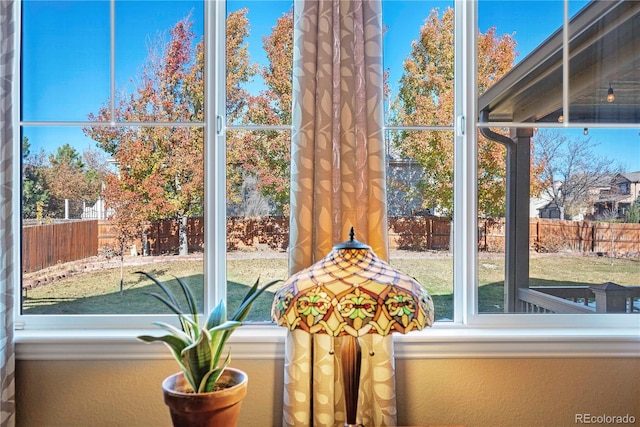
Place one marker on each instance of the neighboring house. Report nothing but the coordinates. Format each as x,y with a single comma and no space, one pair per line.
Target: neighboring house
609,197
402,176
543,206
623,189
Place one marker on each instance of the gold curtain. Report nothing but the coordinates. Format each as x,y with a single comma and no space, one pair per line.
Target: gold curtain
337,181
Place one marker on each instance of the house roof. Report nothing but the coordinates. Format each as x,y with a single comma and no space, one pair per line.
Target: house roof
604,49
632,176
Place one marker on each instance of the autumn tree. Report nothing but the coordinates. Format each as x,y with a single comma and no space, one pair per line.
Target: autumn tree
570,171
67,176
161,168
240,71
265,155
426,98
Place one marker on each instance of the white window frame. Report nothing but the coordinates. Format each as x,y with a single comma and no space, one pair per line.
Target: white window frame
471,334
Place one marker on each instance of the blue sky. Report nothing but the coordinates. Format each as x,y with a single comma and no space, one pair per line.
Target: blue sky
66,52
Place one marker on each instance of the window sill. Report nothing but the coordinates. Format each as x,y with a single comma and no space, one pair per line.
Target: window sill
267,342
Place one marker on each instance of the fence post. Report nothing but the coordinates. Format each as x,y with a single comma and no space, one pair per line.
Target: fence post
610,298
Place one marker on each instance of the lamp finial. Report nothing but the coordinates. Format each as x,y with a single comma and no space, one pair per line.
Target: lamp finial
352,234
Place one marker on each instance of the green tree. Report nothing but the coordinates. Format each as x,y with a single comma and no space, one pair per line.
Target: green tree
633,213
35,193
425,98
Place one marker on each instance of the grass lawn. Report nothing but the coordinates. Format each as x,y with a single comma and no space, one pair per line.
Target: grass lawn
98,291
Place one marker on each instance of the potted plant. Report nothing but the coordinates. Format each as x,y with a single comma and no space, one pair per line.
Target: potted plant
206,392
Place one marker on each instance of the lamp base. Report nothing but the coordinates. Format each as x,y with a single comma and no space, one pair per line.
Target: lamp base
351,361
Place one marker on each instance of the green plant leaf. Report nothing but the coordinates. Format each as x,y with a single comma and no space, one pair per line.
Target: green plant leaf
219,336
191,302
164,288
197,358
217,316
184,336
243,311
210,380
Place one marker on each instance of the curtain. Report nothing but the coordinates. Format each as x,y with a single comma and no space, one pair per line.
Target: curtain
337,181
7,359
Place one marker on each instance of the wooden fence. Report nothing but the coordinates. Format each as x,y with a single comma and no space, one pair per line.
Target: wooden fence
552,235
47,245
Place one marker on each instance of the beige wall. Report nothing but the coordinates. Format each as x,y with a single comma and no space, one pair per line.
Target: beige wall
469,392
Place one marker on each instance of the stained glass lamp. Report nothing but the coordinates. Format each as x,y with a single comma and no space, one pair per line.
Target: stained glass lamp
349,293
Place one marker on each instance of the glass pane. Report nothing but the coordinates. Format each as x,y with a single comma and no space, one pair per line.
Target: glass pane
583,228
604,68
65,59
418,60
420,209
160,60
259,62
257,213
514,38
91,220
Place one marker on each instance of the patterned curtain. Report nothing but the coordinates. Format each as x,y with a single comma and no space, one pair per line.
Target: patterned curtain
337,181
7,359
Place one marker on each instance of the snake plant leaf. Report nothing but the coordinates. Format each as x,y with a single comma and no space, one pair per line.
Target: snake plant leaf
174,343
253,293
210,380
198,348
219,336
197,358
184,336
191,301
164,288
217,316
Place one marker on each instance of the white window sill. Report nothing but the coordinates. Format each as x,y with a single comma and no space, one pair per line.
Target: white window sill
267,342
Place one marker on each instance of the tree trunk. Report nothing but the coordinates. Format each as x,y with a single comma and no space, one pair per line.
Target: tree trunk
182,227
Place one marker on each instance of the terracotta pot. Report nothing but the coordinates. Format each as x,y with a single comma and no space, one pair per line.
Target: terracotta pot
217,408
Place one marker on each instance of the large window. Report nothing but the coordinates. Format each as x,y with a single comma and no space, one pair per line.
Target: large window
419,61
555,175
112,141
166,140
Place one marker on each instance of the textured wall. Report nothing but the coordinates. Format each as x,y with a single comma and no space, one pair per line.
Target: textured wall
469,392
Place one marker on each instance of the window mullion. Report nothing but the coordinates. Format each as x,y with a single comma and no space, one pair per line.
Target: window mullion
215,287
465,177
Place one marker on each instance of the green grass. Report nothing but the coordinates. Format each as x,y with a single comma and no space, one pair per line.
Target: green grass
98,292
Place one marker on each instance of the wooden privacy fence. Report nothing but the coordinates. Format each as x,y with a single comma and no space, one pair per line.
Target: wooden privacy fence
161,237
552,235
411,233
47,245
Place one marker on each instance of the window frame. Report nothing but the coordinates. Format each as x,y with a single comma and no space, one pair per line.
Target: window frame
471,334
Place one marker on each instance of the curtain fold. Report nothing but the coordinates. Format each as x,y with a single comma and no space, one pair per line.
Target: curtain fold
7,356
337,181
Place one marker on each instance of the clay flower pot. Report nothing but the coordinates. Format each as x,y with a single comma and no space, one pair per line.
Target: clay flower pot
217,408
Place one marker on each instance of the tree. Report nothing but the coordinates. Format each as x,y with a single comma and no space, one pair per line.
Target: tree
35,194
570,172
265,155
240,70
633,213
426,97
161,168
52,180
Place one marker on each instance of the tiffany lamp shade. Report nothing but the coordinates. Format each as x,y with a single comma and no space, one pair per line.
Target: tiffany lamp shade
351,292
